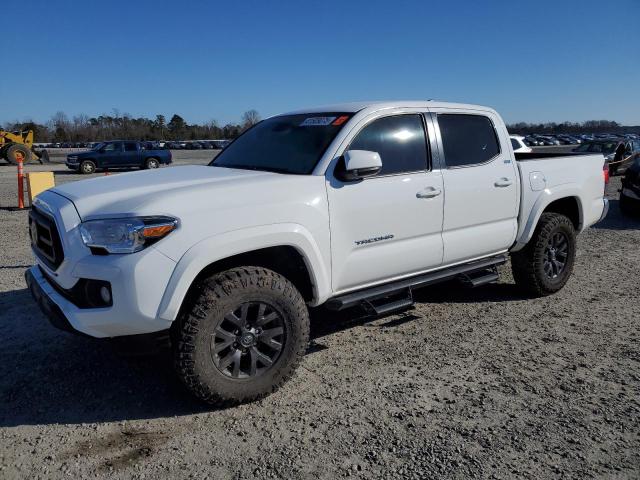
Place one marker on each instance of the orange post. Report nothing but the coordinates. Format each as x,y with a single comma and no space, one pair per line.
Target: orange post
20,159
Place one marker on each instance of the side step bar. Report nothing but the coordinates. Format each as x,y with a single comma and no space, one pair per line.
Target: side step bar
384,298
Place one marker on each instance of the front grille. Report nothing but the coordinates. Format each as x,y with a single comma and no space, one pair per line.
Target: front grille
45,239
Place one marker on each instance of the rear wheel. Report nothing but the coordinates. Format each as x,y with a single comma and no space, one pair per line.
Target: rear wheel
87,167
242,336
152,163
16,151
545,264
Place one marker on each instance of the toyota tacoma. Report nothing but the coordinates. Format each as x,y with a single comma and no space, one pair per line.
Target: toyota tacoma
353,205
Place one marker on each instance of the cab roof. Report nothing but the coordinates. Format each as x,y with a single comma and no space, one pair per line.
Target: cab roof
353,107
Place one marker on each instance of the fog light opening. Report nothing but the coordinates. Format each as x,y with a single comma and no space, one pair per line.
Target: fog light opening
105,295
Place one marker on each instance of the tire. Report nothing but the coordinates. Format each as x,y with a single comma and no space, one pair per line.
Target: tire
534,267
87,167
625,207
151,163
210,334
16,149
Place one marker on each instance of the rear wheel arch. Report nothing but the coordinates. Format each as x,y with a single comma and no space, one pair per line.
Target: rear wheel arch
570,207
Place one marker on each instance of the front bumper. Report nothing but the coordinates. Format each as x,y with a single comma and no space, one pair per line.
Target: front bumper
137,292
138,281
41,292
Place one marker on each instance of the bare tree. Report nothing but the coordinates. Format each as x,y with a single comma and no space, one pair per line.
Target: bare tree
250,118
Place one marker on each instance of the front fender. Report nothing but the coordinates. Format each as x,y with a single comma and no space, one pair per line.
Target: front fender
224,245
538,206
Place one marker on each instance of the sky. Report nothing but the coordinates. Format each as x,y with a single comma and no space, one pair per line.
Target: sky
533,61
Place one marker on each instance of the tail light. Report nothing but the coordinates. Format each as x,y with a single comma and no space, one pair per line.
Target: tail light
605,173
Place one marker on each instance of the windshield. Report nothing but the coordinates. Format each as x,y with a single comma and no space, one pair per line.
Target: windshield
284,144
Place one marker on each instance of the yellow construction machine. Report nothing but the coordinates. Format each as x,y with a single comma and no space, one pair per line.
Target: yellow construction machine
19,144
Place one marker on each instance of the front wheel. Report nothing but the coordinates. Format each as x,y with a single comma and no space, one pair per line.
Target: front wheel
242,336
545,264
88,167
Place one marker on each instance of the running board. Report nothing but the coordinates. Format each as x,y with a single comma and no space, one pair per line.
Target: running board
482,277
378,294
394,302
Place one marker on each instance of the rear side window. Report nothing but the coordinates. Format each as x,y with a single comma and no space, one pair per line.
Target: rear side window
467,139
399,140
130,147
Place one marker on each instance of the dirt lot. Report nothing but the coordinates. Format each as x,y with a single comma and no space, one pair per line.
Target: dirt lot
477,383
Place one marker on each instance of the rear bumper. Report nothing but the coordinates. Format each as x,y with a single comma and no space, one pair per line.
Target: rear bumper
605,210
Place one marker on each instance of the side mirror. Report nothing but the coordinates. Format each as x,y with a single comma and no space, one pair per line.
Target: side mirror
358,164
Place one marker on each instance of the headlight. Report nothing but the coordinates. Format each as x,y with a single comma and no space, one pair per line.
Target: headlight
126,235
72,157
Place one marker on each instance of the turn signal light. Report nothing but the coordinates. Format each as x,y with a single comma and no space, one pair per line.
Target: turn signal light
157,231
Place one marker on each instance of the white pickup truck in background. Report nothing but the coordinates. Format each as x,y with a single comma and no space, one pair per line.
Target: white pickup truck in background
352,205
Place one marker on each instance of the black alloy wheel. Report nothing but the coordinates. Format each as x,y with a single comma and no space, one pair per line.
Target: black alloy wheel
249,340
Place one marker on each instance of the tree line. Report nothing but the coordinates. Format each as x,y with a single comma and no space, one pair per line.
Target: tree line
82,128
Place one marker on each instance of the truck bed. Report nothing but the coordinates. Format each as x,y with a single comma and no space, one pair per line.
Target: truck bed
546,177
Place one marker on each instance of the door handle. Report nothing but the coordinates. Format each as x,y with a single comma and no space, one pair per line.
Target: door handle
429,192
503,182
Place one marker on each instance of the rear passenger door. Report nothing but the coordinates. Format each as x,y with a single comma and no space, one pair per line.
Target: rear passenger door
131,156
481,184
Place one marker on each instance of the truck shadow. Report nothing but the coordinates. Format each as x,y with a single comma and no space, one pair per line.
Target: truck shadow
615,220
48,376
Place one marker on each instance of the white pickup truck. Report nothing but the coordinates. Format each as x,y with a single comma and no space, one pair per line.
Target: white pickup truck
352,205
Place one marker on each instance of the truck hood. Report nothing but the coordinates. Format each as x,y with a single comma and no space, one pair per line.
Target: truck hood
161,191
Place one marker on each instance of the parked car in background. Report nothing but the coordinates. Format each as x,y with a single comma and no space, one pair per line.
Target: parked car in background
617,153
630,192
517,142
118,154
220,144
531,141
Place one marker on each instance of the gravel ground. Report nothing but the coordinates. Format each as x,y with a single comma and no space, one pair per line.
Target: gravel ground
477,383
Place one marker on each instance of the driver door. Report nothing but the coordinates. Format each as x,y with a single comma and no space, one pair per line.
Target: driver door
389,225
110,154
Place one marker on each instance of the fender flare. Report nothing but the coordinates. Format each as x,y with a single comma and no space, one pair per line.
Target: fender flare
546,197
227,244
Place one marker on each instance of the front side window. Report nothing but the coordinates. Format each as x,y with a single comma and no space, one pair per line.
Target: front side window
467,139
399,140
515,144
111,147
284,144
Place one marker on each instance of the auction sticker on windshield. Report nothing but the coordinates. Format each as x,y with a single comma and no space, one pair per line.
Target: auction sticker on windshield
317,121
